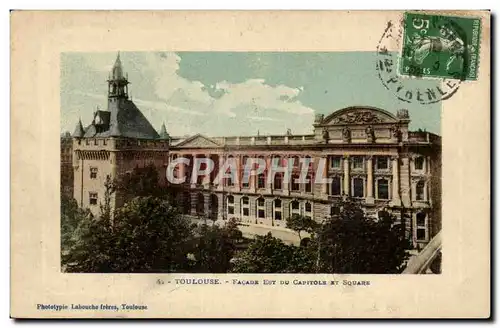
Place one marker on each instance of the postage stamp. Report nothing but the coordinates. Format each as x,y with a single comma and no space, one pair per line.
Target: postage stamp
440,46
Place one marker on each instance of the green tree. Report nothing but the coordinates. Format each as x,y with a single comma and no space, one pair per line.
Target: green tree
71,217
214,247
300,223
353,243
146,235
267,254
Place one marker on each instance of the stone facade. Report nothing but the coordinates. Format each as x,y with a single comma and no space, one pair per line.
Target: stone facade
370,154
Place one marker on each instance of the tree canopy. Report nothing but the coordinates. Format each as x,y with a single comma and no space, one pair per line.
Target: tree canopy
267,254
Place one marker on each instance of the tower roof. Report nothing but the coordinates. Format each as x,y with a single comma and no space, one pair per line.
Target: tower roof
125,120
163,132
117,71
79,132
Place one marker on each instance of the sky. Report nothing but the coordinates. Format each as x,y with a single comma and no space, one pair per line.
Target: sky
234,93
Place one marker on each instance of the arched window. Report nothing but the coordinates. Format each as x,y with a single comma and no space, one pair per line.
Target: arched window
245,206
294,208
228,180
419,190
336,186
382,189
358,189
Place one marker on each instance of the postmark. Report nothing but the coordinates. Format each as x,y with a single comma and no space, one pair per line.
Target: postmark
428,47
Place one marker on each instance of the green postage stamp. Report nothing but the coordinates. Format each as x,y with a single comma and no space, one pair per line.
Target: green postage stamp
440,46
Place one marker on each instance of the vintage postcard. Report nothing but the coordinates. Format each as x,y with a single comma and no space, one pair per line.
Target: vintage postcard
250,164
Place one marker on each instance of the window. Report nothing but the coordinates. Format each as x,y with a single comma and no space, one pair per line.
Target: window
277,215
93,172
419,190
358,187
96,142
245,184
357,162
277,209
261,214
104,142
419,163
382,163
277,203
308,207
245,211
336,186
294,208
230,204
296,162
308,210
335,162
421,226
382,189
295,184
261,181
93,198
309,183
278,181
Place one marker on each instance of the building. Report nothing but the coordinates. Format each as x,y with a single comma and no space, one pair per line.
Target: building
117,140
66,164
370,155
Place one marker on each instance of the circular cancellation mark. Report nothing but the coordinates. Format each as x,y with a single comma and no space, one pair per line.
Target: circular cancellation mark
433,47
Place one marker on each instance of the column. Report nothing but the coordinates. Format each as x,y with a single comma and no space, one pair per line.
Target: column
369,180
193,185
269,182
253,177
324,186
237,183
182,169
222,160
396,200
347,178
206,178
286,182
